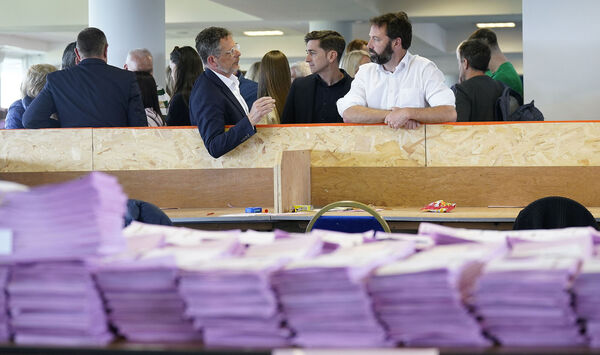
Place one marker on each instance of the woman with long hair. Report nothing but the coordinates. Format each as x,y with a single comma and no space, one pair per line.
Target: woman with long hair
150,99
186,66
274,80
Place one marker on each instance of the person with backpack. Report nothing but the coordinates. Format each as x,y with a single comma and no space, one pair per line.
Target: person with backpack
499,67
476,93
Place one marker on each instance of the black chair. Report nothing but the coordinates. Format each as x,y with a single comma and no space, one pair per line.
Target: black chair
554,212
348,224
145,212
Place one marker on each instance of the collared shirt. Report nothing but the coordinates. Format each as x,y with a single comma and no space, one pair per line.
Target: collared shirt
416,82
234,85
325,110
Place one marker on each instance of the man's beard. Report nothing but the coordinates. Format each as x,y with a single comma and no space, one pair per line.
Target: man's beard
384,57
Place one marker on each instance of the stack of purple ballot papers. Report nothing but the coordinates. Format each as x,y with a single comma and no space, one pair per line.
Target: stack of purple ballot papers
142,296
56,303
75,219
5,333
576,242
325,300
527,301
422,242
448,235
587,299
176,236
232,300
420,299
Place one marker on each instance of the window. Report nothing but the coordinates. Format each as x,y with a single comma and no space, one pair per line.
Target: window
10,80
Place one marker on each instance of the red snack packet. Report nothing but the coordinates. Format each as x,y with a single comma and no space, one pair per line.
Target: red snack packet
439,206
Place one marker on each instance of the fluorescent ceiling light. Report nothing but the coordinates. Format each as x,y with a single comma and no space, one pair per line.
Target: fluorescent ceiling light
263,33
496,25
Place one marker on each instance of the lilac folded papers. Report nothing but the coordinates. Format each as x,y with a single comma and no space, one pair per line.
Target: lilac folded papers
422,242
75,219
56,303
448,235
141,292
324,299
5,333
587,301
420,298
232,300
527,301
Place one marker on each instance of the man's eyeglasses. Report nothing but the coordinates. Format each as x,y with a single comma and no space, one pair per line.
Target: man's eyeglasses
236,47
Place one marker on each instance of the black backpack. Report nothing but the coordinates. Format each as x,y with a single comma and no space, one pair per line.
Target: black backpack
509,107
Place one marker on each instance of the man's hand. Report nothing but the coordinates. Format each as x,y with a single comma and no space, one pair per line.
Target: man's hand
412,124
261,107
398,118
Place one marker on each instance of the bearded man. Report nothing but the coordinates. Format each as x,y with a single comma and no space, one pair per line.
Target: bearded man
400,89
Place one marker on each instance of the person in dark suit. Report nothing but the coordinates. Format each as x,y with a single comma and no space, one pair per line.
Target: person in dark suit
91,94
216,100
312,99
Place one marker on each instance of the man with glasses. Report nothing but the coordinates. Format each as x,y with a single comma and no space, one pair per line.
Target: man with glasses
312,99
399,88
216,100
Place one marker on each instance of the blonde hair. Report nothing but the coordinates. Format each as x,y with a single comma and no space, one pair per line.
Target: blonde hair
36,79
351,61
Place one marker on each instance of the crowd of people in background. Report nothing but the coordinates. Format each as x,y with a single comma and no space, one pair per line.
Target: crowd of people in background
374,81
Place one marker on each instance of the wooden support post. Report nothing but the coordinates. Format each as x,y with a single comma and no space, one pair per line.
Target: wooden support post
292,180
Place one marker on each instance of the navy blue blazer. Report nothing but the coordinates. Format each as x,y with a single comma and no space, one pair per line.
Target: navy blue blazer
212,106
91,94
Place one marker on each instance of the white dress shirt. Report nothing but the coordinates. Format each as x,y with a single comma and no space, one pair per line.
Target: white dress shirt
234,85
416,82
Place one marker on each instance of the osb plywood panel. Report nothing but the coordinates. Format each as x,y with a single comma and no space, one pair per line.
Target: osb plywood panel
149,149
142,149
45,150
522,144
465,186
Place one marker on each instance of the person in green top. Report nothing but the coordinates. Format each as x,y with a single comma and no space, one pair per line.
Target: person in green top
499,68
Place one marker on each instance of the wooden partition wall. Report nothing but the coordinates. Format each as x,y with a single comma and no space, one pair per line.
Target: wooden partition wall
472,165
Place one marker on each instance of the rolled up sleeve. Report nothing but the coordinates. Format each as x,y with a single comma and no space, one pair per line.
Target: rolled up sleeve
355,97
437,93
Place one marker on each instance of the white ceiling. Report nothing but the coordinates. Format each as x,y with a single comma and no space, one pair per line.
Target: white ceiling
439,25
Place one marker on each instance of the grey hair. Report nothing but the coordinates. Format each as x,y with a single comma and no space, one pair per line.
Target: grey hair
208,42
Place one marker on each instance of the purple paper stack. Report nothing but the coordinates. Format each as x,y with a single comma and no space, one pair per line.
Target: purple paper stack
325,300
141,290
5,333
420,299
143,302
587,304
527,302
232,301
56,303
448,235
70,220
